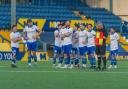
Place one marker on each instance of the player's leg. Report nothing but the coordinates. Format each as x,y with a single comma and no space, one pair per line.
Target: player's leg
15,52
69,49
82,56
29,53
34,57
34,49
29,58
89,57
75,59
91,52
99,57
72,57
60,55
103,53
113,59
67,55
55,55
115,62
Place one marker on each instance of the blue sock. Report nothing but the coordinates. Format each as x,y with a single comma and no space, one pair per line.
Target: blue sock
94,61
72,60
60,60
91,61
29,58
84,61
35,58
112,61
76,61
14,61
115,62
54,60
68,60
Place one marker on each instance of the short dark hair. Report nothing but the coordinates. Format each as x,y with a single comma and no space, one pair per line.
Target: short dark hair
60,24
29,20
68,21
13,26
63,23
90,24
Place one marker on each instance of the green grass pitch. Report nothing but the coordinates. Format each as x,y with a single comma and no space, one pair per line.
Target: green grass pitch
43,76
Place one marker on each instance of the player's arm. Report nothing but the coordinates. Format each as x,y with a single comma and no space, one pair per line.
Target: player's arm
62,35
75,41
117,37
76,38
24,35
68,33
38,32
56,34
16,39
93,33
85,41
105,34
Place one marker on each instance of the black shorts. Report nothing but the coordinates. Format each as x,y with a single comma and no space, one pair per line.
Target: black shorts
100,50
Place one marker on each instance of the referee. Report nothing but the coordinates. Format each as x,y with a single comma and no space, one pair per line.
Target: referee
101,36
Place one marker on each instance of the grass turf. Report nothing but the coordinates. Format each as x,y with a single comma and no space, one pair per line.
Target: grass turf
43,76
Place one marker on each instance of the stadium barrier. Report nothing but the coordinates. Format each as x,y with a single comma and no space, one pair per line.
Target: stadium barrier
6,52
44,24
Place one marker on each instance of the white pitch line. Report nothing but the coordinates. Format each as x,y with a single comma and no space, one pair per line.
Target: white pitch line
3,66
74,72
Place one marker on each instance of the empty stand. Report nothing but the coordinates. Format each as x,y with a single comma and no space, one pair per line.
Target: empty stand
58,10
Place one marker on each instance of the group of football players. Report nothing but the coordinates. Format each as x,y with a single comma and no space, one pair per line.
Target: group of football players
73,46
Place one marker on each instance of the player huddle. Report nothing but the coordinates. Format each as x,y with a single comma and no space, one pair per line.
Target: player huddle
74,45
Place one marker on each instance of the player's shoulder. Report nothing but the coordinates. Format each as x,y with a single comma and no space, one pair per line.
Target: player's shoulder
71,28
25,28
12,33
18,33
85,31
76,31
93,31
35,26
115,33
63,29
56,31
